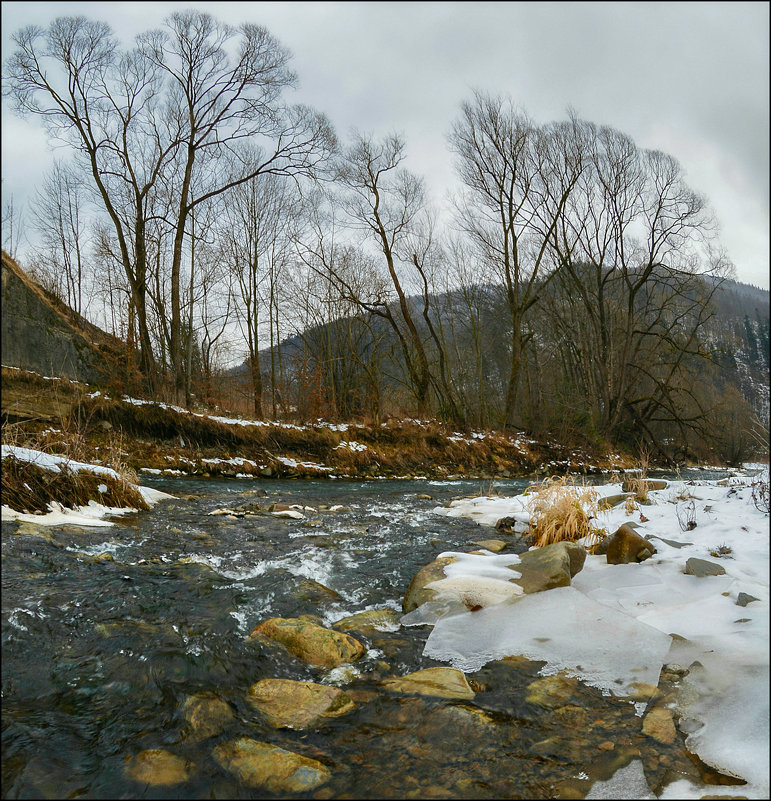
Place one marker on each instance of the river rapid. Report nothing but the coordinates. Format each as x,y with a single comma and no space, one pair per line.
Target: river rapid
107,632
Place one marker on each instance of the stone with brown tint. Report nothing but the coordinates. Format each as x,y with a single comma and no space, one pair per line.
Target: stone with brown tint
297,704
417,593
314,644
158,768
626,546
659,725
268,767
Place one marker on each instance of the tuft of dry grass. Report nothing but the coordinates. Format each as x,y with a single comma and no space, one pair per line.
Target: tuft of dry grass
29,488
561,510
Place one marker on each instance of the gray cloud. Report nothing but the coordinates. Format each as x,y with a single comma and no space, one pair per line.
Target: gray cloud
688,78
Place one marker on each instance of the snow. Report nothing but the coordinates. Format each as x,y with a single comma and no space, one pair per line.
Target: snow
93,513
612,626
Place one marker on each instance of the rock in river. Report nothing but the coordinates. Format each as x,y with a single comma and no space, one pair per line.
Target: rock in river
440,682
206,715
297,704
268,767
158,768
314,644
417,593
369,622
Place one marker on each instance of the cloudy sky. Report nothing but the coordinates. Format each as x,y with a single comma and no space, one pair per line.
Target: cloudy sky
690,79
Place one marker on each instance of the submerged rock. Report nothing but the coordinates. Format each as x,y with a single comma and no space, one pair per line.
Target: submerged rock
158,768
206,715
297,704
659,725
310,590
417,593
268,767
439,682
314,644
551,691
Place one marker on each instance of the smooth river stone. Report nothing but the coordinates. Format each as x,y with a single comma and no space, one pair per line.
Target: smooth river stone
440,682
314,644
297,704
158,768
268,767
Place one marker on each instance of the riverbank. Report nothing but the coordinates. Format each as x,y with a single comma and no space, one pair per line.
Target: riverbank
135,435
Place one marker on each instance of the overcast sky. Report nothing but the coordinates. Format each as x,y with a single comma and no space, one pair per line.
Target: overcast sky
690,79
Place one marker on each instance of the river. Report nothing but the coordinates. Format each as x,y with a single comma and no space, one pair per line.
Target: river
106,632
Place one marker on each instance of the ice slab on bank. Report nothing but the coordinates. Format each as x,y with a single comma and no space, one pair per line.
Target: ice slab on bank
604,647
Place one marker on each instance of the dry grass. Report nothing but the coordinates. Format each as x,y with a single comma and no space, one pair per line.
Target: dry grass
561,510
29,488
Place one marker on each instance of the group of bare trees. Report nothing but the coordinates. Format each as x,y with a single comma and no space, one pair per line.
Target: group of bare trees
573,284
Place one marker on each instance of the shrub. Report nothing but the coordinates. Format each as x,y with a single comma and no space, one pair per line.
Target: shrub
560,511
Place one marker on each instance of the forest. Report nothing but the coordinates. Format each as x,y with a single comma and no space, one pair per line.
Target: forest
574,284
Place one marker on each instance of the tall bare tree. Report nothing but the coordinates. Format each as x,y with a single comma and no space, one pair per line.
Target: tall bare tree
517,179
226,86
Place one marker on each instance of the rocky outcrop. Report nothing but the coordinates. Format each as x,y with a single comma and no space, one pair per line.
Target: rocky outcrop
314,644
289,704
42,334
703,567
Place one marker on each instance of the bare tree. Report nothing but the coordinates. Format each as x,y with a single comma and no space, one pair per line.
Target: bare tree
387,205
517,180
13,226
637,267
59,216
220,101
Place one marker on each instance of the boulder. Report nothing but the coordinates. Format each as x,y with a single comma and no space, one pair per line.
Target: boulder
549,567
417,593
297,704
440,682
314,644
270,768
369,622
206,715
625,546
703,567
158,768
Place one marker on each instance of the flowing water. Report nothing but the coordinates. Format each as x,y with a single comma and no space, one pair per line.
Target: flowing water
106,632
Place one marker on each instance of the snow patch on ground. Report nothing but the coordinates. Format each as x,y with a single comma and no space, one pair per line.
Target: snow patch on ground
612,626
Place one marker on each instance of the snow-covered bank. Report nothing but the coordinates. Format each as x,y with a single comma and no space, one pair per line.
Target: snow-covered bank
91,514
612,626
